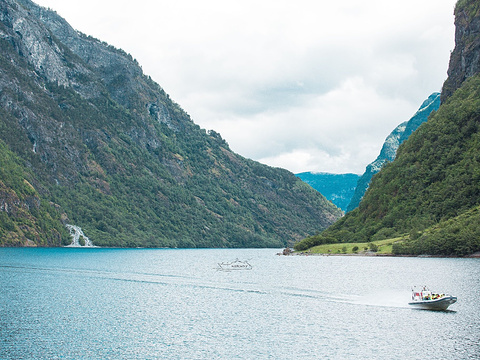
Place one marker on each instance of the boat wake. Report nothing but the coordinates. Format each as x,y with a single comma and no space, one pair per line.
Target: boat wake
385,299
239,285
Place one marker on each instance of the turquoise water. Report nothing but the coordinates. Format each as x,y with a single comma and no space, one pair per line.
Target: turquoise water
173,304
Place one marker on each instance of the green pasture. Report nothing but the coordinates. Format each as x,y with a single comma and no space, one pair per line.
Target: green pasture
381,247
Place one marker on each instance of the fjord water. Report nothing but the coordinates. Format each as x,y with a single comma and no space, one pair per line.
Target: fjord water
69,303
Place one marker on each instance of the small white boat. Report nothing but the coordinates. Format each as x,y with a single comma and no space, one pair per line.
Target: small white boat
428,300
234,265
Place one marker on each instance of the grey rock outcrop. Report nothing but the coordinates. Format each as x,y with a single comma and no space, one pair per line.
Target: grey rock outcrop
465,58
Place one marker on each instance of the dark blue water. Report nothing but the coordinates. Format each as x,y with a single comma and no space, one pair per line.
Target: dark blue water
174,304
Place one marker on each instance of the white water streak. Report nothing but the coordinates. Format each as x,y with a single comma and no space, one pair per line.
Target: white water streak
77,233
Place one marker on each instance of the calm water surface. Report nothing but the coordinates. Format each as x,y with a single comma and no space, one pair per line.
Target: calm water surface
173,304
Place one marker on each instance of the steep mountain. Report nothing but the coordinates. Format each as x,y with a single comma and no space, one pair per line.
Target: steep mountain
429,196
391,144
338,188
91,141
465,58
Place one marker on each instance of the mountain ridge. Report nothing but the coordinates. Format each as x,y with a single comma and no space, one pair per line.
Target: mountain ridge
105,148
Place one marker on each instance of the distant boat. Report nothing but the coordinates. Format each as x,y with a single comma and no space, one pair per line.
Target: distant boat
428,300
234,265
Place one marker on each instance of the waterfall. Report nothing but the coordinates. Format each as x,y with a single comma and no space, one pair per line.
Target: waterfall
77,234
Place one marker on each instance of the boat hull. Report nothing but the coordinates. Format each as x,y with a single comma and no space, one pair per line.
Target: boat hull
437,304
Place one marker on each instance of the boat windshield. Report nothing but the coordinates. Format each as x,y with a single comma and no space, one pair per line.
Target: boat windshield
425,294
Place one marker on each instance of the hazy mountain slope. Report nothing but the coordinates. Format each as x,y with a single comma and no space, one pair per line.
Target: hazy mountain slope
391,144
430,194
109,149
338,188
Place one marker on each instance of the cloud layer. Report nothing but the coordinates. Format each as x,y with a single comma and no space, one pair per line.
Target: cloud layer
307,86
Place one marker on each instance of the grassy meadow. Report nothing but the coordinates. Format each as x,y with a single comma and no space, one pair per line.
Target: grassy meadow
381,247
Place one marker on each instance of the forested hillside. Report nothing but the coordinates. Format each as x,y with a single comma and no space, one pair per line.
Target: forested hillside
23,214
429,196
98,144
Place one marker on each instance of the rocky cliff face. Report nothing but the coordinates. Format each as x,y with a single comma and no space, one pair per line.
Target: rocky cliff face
465,58
392,142
104,146
57,55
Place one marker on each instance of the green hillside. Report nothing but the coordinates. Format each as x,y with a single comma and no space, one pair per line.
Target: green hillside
104,146
430,194
25,218
429,191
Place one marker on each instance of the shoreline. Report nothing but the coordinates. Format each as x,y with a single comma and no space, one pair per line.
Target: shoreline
372,254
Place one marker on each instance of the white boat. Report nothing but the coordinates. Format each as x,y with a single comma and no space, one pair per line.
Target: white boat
428,300
234,265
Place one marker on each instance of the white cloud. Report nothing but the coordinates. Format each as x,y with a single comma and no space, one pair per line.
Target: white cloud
309,86
318,132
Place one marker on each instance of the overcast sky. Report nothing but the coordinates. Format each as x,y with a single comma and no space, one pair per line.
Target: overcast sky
307,85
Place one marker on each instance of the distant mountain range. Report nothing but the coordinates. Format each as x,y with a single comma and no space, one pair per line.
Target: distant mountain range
87,139
338,188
